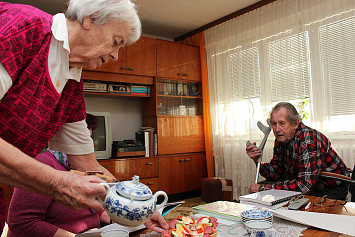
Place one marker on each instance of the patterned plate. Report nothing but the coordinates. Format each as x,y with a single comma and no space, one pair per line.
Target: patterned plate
256,215
270,219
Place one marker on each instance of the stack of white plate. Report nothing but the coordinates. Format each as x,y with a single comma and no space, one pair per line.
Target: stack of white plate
256,214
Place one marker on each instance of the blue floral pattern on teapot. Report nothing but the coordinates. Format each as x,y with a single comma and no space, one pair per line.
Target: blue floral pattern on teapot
131,203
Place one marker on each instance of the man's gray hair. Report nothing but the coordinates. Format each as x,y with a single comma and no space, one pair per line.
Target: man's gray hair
103,11
292,113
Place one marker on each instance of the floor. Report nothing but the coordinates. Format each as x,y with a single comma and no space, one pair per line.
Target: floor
184,209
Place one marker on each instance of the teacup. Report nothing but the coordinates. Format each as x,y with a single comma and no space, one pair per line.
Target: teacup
115,233
260,228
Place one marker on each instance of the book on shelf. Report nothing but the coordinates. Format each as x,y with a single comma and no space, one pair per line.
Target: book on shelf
269,197
146,143
140,89
146,135
223,209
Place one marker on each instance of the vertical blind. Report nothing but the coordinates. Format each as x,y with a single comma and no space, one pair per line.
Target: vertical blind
337,53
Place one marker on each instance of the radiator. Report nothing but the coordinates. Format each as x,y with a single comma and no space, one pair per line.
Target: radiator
346,150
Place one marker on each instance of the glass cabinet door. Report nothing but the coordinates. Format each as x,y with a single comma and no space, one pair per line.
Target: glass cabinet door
176,97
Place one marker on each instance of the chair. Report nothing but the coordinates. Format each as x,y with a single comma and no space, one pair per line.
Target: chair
350,180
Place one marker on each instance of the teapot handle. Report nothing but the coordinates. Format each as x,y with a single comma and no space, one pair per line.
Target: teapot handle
108,189
165,199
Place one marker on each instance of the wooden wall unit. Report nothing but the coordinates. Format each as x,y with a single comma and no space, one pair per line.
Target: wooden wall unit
180,164
178,61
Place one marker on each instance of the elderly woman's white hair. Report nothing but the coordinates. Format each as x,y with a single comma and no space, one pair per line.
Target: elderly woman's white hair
102,11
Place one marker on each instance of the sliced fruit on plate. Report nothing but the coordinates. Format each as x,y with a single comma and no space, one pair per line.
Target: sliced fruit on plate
185,226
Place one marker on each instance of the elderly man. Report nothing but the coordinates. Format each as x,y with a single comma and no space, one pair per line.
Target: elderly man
300,154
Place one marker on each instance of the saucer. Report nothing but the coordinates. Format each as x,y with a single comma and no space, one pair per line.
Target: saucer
256,214
250,215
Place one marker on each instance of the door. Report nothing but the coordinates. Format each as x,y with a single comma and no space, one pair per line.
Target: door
191,66
195,170
169,59
141,57
172,174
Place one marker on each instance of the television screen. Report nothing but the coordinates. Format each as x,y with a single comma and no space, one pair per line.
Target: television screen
101,135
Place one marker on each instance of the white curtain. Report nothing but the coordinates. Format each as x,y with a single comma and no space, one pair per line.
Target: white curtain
301,51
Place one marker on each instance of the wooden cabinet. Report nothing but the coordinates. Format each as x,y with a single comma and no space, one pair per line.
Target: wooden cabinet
175,110
178,61
124,169
180,134
136,59
181,173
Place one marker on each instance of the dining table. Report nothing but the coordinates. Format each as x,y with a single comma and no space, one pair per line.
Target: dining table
337,207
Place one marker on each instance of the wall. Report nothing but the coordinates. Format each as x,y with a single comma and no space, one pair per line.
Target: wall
126,114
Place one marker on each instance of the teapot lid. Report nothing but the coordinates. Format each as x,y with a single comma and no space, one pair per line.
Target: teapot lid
138,190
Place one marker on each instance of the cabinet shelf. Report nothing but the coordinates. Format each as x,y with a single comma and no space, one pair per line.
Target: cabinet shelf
178,116
181,96
112,94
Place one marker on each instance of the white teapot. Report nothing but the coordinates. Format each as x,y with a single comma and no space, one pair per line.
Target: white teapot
131,203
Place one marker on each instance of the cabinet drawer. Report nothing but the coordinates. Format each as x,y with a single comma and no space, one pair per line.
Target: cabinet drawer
125,169
152,183
147,168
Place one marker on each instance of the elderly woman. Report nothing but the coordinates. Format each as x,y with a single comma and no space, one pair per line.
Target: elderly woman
41,95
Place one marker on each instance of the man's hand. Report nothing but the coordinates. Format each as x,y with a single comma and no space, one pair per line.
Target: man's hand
254,188
253,152
157,223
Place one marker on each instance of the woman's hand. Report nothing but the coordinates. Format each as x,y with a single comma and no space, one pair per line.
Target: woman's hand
76,191
157,223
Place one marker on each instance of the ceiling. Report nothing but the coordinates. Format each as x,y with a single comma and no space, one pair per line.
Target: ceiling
166,19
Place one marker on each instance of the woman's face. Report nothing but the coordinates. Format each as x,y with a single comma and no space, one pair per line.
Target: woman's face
98,44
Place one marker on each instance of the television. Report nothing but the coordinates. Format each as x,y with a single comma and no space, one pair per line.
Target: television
101,135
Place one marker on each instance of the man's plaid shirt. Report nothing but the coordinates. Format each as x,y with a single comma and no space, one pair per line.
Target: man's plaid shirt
300,161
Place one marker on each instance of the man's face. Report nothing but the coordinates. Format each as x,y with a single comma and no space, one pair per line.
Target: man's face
283,129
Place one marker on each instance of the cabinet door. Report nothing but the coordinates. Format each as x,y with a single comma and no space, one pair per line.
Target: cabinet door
141,57
125,169
169,59
180,134
191,67
195,170
138,58
115,66
172,173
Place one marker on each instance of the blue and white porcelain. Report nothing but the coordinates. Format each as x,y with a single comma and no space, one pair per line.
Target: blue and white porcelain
131,203
256,214
260,228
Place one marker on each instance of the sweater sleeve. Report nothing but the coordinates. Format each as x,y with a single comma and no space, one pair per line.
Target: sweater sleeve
27,215
27,210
